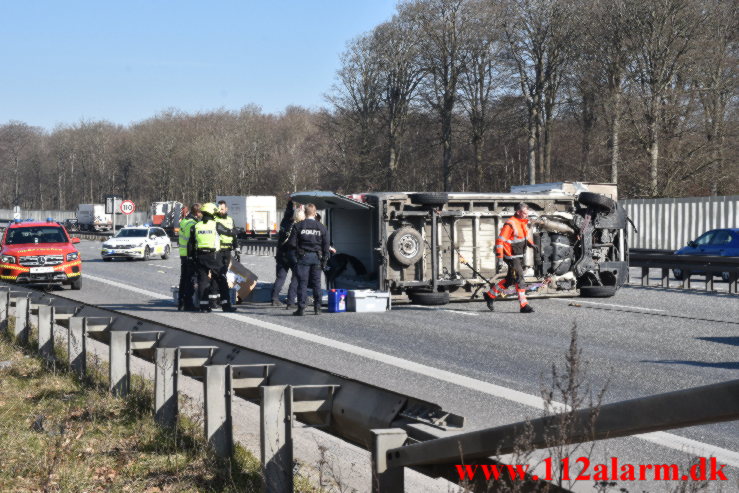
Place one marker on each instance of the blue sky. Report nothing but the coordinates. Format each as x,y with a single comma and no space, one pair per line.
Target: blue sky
125,61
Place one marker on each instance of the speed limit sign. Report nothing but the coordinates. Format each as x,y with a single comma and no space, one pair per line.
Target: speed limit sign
127,207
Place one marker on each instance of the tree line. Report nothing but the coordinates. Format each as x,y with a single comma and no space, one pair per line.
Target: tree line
455,95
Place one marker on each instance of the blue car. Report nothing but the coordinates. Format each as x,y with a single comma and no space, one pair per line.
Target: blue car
717,242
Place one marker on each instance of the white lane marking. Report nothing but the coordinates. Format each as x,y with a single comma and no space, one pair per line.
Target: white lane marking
578,301
448,310
162,266
664,439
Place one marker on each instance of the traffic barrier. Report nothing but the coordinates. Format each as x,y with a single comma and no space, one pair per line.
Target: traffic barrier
282,388
267,248
689,265
400,431
699,405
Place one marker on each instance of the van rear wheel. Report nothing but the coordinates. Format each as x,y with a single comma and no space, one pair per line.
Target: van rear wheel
428,298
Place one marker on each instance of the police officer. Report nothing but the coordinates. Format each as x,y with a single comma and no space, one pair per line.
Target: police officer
283,265
187,265
309,252
204,246
227,234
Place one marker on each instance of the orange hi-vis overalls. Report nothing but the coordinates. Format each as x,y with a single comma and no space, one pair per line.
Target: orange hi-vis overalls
511,246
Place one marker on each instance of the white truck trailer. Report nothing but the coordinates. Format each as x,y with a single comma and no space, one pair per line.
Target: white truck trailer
92,217
255,214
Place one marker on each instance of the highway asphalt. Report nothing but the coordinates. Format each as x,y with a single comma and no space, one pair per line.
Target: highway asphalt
489,367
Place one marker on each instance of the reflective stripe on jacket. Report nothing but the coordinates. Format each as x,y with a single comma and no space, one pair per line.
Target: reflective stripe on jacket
227,222
512,238
184,235
206,236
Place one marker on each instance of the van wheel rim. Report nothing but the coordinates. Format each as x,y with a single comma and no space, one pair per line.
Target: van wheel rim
408,246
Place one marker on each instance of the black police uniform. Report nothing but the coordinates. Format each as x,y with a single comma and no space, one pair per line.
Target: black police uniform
224,258
309,244
282,260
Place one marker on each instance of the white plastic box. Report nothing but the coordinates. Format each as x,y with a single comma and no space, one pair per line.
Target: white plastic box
366,300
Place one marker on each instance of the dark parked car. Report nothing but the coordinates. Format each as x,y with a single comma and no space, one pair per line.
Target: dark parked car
717,242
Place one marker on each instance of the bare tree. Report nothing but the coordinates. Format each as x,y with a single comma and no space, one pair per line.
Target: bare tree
481,78
442,24
716,81
397,47
662,35
540,35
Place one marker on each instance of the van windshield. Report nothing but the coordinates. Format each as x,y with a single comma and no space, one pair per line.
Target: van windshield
131,233
36,234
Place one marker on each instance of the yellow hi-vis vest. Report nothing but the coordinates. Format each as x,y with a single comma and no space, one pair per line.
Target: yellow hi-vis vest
206,235
228,222
184,238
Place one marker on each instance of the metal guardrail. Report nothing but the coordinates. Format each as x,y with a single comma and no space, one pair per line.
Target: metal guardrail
699,405
265,247
689,265
285,390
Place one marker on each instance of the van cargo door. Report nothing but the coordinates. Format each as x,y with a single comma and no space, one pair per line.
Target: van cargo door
329,200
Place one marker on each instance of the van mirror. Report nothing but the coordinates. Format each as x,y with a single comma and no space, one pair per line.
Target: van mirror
75,240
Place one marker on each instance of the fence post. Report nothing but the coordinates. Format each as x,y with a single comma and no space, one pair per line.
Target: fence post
276,439
645,276
76,346
22,319
118,363
165,386
218,430
46,332
386,480
665,278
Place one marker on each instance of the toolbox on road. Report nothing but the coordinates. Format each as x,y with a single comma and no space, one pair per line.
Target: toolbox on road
366,300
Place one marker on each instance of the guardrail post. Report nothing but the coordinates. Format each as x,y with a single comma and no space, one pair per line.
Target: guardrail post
4,307
77,346
276,439
118,363
709,281
46,332
386,480
165,386
645,276
686,279
665,278
218,429
22,319
733,282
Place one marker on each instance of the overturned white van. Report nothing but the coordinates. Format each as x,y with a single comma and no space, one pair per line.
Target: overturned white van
435,246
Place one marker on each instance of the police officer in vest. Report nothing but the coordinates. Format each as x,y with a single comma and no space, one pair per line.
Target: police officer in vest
205,248
309,251
227,233
187,264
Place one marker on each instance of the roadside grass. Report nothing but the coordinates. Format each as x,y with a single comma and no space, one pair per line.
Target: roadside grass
62,434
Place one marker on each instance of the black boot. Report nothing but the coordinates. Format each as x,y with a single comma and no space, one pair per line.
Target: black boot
489,300
226,307
299,312
527,309
205,309
317,309
276,302
289,306
191,308
180,306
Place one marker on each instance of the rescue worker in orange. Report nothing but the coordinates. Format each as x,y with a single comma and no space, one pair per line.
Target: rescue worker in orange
511,246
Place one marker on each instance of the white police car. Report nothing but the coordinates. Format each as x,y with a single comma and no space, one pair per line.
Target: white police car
137,242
